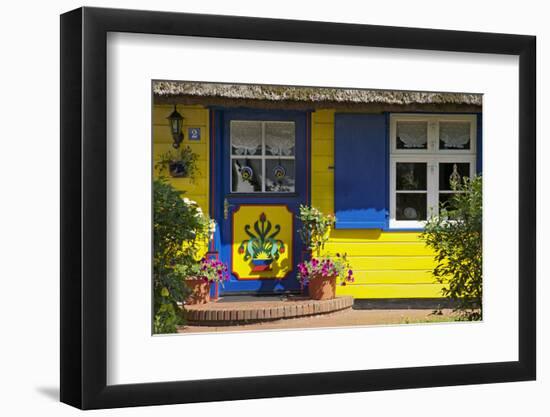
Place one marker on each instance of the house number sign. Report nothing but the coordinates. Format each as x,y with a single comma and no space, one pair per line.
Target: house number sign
194,133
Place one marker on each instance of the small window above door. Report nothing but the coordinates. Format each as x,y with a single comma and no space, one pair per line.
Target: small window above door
262,156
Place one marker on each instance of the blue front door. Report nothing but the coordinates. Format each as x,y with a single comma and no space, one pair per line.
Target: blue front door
262,161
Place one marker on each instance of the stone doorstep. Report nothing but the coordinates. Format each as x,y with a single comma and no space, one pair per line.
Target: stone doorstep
223,315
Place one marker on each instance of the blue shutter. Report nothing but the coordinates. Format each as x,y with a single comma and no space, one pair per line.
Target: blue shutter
361,171
479,146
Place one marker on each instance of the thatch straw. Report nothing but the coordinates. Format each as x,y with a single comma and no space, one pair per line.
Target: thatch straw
171,91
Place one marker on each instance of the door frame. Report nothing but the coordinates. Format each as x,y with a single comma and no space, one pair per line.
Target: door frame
218,165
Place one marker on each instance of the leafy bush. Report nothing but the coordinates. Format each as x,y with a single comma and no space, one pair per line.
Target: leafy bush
166,318
178,228
315,228
456,237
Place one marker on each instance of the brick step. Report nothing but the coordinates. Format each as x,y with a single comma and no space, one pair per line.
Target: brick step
230,313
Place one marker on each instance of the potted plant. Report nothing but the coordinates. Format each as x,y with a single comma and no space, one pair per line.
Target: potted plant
199,276
181,163
315,229
320,275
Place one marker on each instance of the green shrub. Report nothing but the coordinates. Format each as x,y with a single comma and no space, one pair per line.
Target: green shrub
178,227
166,317
456,237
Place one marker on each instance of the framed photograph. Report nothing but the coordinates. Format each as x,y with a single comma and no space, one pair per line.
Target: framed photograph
257,208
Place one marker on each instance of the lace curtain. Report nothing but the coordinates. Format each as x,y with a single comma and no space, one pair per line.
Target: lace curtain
280,138
246,138
455,135
412,134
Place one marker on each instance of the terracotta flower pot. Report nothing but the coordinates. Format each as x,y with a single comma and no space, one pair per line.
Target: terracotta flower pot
200,291
322,288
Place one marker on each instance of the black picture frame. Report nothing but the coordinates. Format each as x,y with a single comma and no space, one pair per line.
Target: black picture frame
84,207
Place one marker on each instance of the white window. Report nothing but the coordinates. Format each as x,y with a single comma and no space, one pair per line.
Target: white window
262,156
427,151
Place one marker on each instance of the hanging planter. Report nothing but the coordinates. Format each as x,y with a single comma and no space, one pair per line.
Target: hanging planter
178,169
181,163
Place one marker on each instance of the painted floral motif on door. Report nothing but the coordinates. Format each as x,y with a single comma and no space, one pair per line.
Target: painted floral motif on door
262,241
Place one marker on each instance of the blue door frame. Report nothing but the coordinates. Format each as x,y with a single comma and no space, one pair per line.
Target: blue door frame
220,190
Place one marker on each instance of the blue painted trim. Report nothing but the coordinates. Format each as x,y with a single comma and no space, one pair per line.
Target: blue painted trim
388,169
359,224
479,144
222,167
361,182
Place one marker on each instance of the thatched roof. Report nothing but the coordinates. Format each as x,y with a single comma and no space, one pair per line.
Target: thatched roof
308,97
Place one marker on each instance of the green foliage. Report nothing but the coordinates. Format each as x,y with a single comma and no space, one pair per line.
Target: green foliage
166,318
456,237
315,228
179,163
178,225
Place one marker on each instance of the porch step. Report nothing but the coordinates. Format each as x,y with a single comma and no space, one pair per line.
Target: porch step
241,312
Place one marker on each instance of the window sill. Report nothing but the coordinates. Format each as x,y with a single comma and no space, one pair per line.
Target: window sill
403,225
404,229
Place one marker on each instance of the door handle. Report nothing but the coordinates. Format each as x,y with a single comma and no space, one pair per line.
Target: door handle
226,207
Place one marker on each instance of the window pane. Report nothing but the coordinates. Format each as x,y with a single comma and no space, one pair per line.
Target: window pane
246,138
411,206
412,135
279,175
246,175
454,135
280,138
411,175
452,171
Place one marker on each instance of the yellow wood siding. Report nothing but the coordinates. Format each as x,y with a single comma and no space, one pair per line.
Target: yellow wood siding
322,158
194,116
386,264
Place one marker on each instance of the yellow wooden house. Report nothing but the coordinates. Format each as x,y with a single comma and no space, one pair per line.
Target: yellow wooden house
380,161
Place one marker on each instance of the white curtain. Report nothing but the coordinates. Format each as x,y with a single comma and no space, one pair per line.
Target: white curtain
413,134
246,138
454,134
280,138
